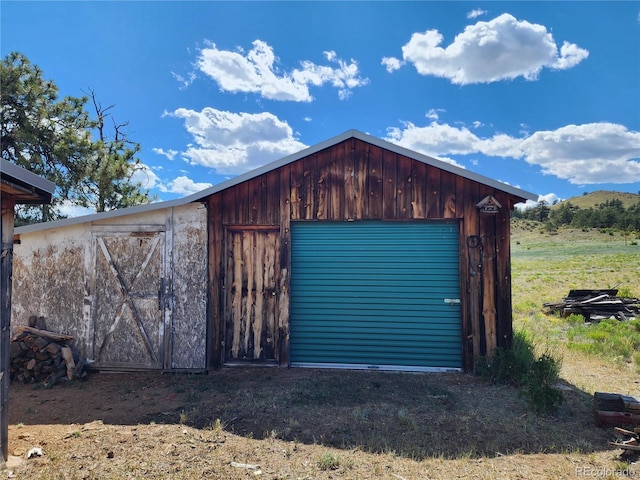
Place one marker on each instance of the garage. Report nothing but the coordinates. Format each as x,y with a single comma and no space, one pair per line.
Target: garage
352,253
375,295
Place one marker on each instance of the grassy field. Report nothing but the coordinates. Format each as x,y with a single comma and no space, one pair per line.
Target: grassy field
546,266
277,423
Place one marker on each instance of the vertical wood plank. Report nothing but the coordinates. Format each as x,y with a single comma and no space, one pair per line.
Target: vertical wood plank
504,327
281,332
260,302
487,235
389,188
7,204
216,281
349,180
360,166
448,194
254,198
419,188
249,315
295,187
324,185
404,190
336,205
310,183
375,183
460,196
227,206
242,203
271,198
470,253
434,209
233,312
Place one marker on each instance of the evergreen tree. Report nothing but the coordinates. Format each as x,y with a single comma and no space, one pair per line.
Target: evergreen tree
52,137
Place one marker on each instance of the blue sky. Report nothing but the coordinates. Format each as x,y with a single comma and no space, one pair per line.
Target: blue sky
544,96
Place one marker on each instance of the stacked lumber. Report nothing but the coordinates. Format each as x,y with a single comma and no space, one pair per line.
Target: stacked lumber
39,355
596,305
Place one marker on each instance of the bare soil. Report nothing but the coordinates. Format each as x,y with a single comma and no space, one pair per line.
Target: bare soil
275,423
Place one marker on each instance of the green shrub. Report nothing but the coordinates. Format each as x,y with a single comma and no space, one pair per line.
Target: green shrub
508,366
329,461
519,366
540,384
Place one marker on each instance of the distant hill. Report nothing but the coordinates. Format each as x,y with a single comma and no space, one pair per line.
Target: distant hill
594,199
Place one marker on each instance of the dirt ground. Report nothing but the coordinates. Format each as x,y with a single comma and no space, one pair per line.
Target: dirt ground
302,424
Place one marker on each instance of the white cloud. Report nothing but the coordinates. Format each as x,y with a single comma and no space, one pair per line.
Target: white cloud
232,143
170,154
392,64
586,154
184,81
258,72
146,177
476,13
69,210
582,154
501,49
549,199
434,113
184,186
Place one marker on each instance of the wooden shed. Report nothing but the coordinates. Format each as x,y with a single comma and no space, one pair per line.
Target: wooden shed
353,253
17,187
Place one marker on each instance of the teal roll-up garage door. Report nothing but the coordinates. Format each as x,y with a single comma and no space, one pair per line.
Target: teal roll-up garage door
372,294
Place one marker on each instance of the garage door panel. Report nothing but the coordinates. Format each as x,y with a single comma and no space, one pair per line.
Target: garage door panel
374,293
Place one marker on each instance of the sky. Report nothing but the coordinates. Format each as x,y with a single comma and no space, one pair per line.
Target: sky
543,96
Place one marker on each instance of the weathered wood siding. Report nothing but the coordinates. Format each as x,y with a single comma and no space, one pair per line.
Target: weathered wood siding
132,292
251,285
351,181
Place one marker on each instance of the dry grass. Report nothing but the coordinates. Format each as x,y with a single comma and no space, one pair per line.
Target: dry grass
320,424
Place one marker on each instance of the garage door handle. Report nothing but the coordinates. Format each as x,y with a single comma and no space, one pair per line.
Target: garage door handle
452,301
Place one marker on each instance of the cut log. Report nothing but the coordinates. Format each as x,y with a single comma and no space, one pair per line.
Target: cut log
45,333
68,360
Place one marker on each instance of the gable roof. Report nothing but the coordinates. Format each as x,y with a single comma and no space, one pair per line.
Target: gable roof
200,196
25,186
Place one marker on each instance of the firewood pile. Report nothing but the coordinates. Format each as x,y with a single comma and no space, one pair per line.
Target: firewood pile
39,355
596,305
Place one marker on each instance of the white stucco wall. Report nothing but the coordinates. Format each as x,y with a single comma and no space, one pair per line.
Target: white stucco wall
54,269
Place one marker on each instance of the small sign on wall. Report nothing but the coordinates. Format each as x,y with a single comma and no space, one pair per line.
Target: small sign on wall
489,205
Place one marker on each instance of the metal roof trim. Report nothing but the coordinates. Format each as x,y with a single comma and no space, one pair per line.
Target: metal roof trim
199,196
40,187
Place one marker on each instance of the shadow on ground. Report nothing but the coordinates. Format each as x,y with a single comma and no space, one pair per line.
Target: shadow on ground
412,415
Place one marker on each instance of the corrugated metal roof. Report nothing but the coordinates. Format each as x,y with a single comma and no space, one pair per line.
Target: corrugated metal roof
200,196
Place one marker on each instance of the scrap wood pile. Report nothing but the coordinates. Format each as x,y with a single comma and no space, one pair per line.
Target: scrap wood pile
39,355
596,305
616,409
627,440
